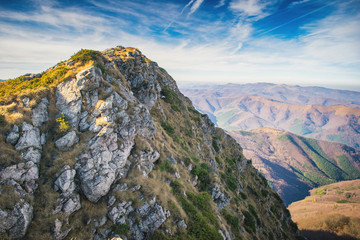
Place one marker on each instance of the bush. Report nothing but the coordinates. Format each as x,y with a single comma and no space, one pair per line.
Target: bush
215,144
176,187
165,166
168,128
121,229
231,220
203,173
230,179
2,121
63,123
249,222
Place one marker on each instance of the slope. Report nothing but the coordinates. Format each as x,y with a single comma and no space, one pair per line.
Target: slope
295,164
330,212
104,145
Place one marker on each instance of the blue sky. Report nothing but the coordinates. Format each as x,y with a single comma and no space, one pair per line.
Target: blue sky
305,42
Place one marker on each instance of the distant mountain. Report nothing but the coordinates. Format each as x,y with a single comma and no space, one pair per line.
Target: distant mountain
315,112
330,212
295,164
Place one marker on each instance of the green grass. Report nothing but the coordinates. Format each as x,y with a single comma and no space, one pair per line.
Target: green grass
86,55
249,222
168,128
233,221
298,127
17,85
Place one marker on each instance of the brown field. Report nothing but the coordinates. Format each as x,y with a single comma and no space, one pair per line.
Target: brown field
330,212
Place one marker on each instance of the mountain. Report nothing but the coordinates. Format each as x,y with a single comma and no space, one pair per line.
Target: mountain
314,112
295,164
104,146
330,212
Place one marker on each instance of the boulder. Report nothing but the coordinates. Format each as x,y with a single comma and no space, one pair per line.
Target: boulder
16,222
65,182
30,137
40,113
67,142
31,154
13,136
57,233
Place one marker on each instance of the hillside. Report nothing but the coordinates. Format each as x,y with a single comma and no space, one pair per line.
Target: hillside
295,164
313,114
330,212
104,145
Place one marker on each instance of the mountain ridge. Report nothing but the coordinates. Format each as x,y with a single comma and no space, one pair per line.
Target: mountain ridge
104,145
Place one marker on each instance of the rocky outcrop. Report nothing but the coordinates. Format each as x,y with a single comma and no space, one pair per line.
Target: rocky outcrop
67,142
16,221
40,113
30,137
219,197
13,135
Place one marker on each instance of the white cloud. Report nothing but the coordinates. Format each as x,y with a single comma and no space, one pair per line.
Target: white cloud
247,7
195,6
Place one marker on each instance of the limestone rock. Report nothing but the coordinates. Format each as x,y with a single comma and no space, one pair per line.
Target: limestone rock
67,142
40,113
57,233
13,135
30,137
25,174
182,224
69,101
16,222
65,182
119,213
219,197
31,154
67,204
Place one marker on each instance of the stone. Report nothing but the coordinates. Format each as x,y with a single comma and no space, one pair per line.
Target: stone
26,102
67,204
220,198
65,182
13,136
16,222
30,137
25,174
69,101
111,201
31,154
57,234
67,142
119,213
40,113
182,224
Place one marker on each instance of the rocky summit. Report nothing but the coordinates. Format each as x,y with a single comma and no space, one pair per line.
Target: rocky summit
104,145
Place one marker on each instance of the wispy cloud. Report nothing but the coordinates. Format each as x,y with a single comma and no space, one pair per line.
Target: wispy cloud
220,3
248,7
195,6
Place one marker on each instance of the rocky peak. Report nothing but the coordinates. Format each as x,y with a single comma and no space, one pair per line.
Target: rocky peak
111,148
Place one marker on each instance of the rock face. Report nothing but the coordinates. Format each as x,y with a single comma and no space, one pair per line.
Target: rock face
125,165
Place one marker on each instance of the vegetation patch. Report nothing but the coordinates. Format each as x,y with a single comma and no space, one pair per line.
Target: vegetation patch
168,128
249,222
203,172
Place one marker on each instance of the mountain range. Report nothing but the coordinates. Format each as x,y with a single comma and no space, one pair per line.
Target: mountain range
315,112
105,146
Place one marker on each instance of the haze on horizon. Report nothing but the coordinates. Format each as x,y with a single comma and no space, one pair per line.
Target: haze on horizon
305,42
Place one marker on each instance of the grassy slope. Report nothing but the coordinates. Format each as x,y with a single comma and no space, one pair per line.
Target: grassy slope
333,208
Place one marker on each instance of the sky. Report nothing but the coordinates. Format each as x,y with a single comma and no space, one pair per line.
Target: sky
304,42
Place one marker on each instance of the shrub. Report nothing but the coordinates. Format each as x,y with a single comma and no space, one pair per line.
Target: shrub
63,123
176,187
170,96
215,144
231,220
165,166
203,173
249,222
121,229
243,195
